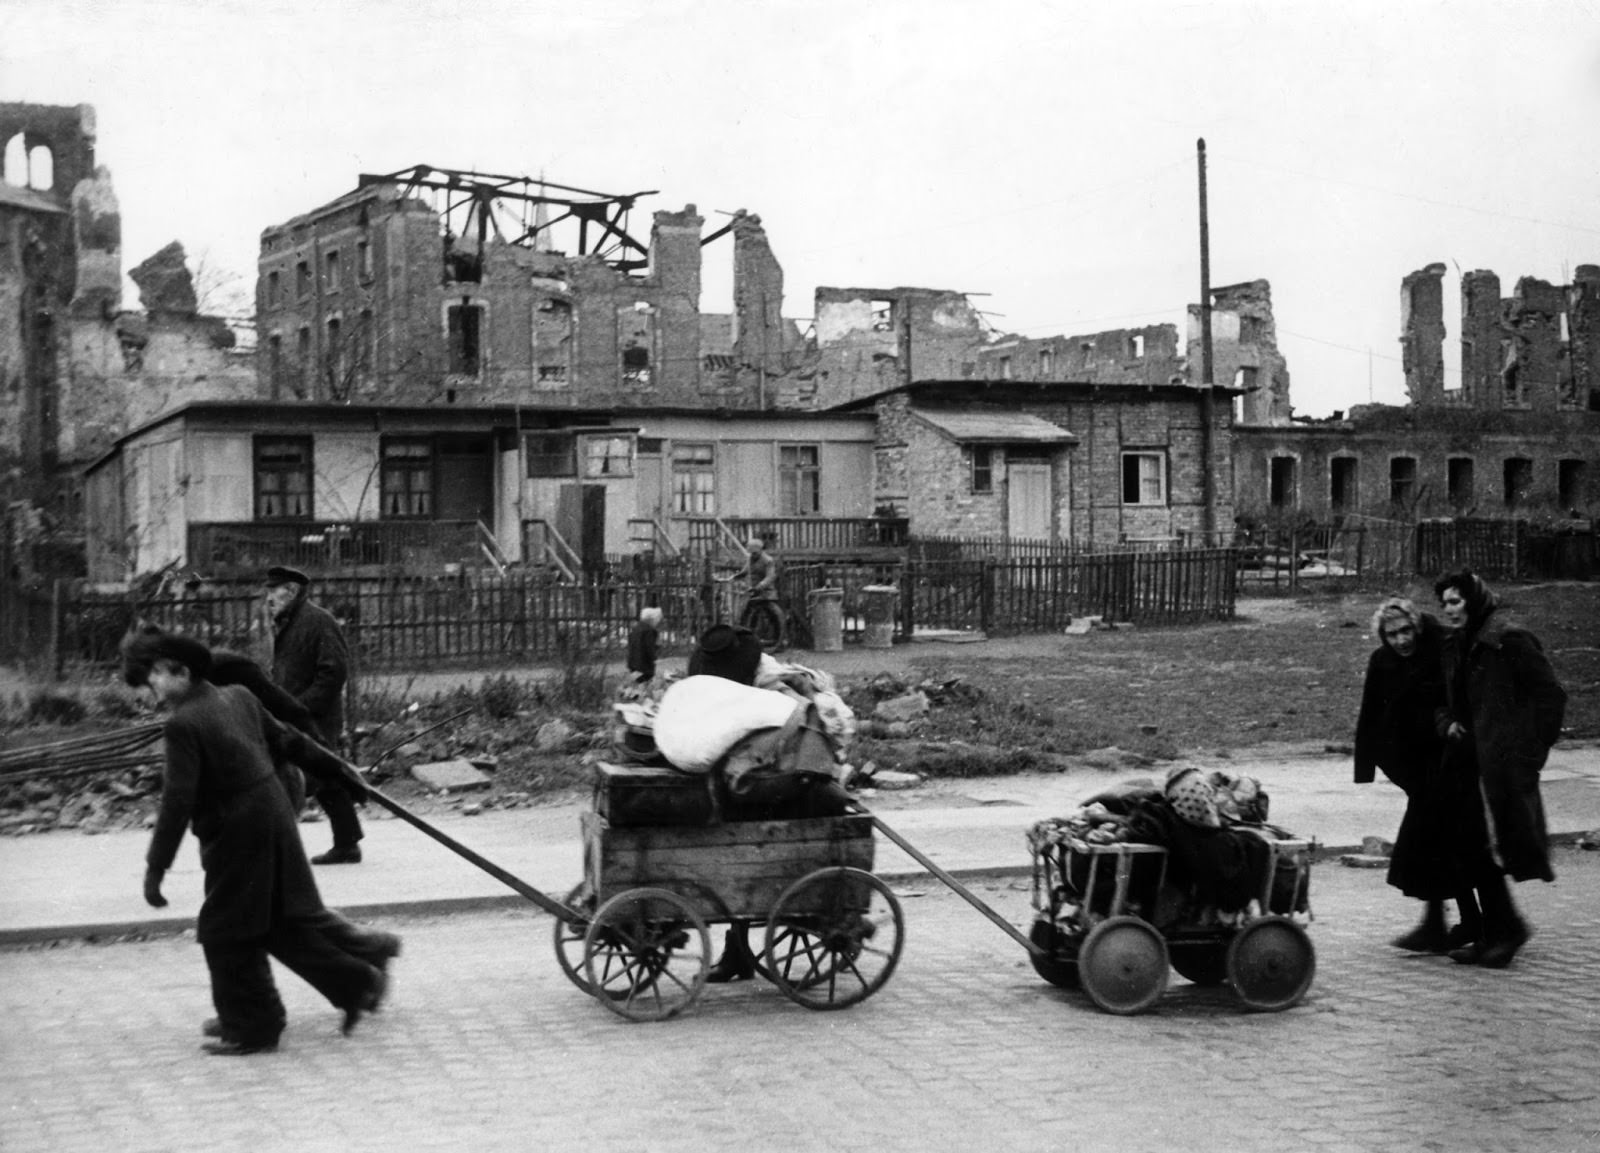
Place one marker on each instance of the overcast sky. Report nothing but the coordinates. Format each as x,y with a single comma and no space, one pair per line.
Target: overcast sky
1039,153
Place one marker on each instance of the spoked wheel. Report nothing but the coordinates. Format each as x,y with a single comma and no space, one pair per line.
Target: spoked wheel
570,936
834,938
646,954
1060,973
1122,964
765,619
1204,964
1271,963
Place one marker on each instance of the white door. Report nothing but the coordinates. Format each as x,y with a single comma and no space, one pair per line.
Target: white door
1028,500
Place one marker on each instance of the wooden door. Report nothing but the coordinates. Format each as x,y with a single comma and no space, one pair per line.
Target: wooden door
1028,500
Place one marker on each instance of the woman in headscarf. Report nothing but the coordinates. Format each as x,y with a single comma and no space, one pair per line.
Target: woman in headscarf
1504,711
1443,841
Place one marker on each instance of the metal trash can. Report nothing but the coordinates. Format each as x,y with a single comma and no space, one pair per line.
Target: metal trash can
877,609
827,619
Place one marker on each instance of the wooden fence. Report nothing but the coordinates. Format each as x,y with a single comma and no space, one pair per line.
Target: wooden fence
412,623
1515,549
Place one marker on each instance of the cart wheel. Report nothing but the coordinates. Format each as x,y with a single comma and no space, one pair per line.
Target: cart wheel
834,938
646,954
570,936
1062,974
1204,964
1271,963
1123,965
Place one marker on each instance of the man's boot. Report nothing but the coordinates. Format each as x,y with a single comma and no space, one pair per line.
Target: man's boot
736,963
1429,936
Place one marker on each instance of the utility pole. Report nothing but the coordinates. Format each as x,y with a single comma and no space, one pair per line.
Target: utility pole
1207,400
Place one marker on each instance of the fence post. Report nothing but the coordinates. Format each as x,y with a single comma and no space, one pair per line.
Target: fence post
986,594
55,630
908,599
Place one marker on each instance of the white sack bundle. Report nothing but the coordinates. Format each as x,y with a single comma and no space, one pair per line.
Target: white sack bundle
701,718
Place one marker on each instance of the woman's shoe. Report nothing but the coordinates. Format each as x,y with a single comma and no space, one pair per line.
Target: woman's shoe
1498,954
1468,954
233,1047
1458,937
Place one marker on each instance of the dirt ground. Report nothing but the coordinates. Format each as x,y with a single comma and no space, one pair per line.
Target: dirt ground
1285,671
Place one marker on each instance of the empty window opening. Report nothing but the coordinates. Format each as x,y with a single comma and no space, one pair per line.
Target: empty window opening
274,289
1238,410
302,351
41,168
1005,368
1087,348
407,482
1047,367
333,360
1511,375
1460,483
283,478
16,161
463,265
364,260
1244,377
464,329
636,366
1572,484
1518,473
552,454
882,316
1342,475
367,357
1136,346
1144,478
694,478
331,270
1250,330
983,470
799,480
302,279
1403,480
275,365
1281,482
553,373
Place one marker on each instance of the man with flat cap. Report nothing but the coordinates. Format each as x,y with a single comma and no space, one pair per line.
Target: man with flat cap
311,662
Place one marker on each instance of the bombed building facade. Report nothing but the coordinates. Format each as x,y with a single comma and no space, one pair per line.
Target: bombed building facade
427,286
1515,434
76,370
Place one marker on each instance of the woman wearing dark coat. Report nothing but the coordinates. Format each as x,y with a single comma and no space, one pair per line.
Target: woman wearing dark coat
1504,708
1443,840
260,898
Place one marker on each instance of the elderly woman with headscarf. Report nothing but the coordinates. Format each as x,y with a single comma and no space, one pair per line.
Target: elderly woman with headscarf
1503,711
1443,841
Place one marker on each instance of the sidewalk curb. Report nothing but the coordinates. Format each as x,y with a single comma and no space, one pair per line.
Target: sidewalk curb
116,931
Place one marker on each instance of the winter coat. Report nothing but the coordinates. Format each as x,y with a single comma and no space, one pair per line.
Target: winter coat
642,644
220,780
1443,838
1500,687
311,662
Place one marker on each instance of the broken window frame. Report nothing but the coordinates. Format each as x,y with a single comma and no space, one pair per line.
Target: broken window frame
980,466
1283,481
694,478
551,454
1144,477
406,479
799,480
1136,346
283,468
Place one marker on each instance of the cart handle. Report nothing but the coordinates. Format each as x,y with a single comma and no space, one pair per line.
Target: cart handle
548,904
959,889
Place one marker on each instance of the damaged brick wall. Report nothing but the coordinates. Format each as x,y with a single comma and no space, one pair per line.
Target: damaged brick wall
369,297
869,340
1422,334
1146,355
1244,342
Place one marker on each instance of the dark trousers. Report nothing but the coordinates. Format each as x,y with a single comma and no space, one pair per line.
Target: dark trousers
245,995
341,812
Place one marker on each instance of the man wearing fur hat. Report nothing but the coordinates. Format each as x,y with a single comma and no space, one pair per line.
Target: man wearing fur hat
310,661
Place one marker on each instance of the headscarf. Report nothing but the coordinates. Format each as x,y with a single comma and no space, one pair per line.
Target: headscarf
1193,797
146,644
1480,599
1395,609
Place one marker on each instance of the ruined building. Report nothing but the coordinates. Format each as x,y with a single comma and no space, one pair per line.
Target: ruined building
1515,434
75,370
434,286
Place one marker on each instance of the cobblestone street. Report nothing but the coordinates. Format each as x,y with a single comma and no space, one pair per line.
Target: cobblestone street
485,1045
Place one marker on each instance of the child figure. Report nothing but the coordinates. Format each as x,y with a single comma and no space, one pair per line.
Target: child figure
260,898
642,644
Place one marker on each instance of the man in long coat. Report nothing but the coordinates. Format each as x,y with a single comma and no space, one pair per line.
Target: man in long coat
260,897
311,662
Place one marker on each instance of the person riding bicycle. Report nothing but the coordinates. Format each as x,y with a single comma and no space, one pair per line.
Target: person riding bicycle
761,571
